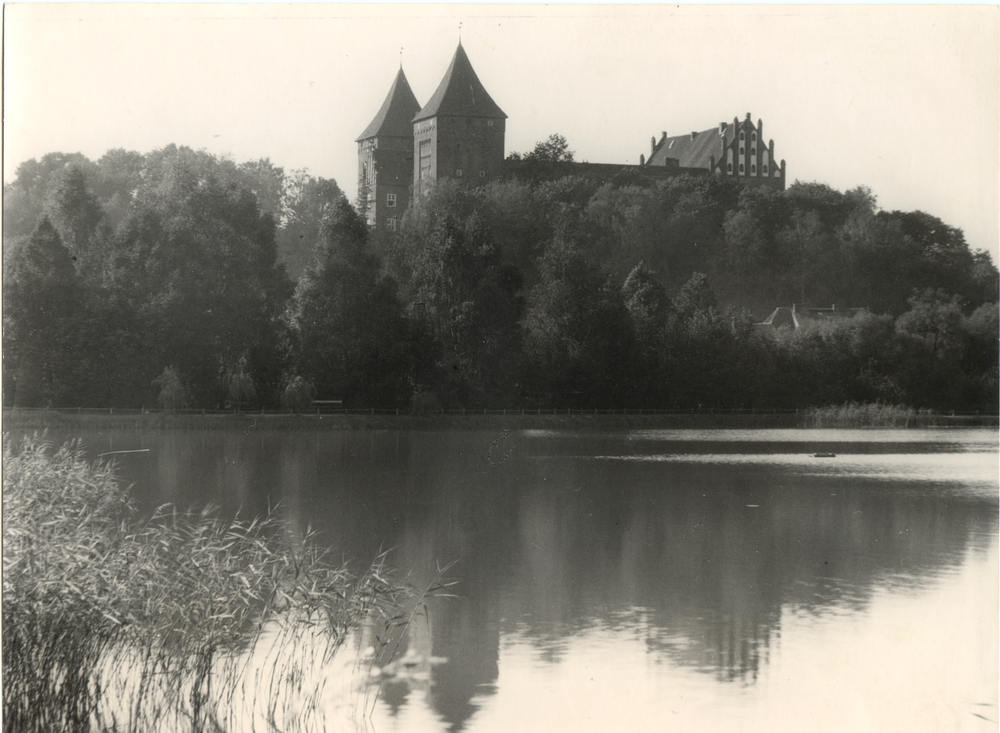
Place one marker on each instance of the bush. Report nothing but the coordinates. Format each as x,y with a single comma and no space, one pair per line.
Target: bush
172,393
424,403
111,623
298,394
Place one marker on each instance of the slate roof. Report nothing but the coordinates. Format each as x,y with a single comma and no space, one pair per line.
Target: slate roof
460,94
395,118
696,153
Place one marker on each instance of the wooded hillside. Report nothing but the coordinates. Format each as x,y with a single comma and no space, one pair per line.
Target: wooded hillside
176,278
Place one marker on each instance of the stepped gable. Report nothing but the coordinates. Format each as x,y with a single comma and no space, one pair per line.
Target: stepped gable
395,118
694,150
460,94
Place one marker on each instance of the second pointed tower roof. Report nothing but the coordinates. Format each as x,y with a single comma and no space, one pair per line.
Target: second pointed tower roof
460,93
395,117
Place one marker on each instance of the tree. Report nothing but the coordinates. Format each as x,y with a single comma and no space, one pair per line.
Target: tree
696,297
935,337
649,309
350,339
935,318
43,301
553,149
307,202
298,393
24,200
752,260
170,390
196,260
73,210
238,382
578,337
468,301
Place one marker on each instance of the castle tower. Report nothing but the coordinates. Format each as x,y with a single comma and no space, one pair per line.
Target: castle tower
460,132
385,156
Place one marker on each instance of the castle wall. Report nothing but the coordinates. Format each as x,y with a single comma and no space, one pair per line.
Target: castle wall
384,167
470,148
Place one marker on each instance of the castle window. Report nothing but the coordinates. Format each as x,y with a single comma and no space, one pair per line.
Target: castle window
390,223
730,167
753,169
753,137
742,150
741,168
765,169
489,123
425,159
753,150
458,173
743,136
390,200
482,174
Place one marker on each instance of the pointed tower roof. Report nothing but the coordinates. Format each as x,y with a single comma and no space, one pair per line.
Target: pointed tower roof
460,93
395,117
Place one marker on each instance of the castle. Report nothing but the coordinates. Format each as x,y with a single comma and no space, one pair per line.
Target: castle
459,133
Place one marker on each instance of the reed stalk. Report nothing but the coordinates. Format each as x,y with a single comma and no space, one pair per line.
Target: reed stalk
863,415
181,621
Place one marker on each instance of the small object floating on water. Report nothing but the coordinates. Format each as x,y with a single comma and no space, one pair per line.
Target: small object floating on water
825,455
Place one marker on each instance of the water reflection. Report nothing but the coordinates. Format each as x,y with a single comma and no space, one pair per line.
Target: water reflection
706,579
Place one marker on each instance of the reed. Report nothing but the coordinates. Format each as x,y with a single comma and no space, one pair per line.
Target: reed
183,621
864,415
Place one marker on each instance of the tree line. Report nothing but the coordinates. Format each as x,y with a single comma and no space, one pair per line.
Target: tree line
177,278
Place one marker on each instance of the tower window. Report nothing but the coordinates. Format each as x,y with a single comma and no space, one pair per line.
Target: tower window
741,168
425,159
753,137
765,169
742,150
753,169
390,200
753,150
743,136
730,167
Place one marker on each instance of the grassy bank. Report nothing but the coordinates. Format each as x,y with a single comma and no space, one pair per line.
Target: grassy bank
112,623
869,415
838,416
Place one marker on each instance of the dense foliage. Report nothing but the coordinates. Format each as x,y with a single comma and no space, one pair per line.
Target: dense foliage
176,279
177,622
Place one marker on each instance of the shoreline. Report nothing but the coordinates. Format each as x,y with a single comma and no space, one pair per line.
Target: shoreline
15,419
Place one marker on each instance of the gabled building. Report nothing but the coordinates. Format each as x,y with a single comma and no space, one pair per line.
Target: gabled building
385,156
459,133
735,151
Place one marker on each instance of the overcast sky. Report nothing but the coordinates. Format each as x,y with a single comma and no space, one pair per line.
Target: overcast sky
901,99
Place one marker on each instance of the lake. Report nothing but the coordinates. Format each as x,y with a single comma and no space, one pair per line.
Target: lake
698,580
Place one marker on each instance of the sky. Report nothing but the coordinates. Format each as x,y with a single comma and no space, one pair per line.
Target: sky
903,100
